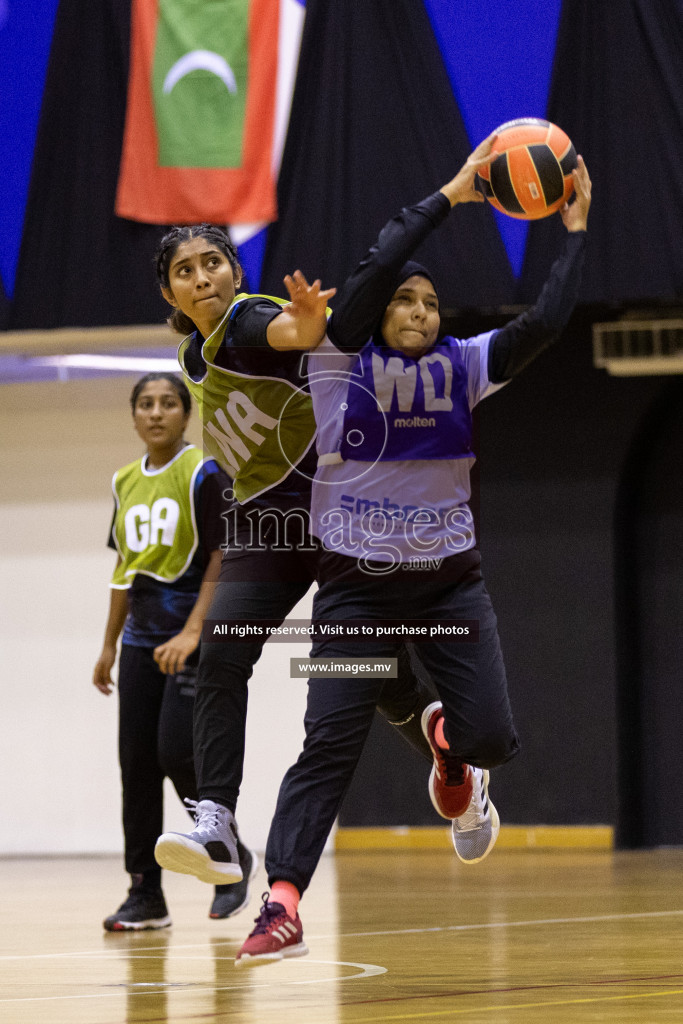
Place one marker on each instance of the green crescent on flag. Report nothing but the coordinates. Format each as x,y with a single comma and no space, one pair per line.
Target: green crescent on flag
199,82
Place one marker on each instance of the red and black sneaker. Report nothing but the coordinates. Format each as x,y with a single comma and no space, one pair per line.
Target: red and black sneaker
450,783
276,935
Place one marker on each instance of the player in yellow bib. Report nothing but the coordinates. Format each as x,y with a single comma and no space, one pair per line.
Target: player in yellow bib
167,531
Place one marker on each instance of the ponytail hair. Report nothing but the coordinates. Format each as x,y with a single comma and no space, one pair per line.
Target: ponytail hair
167,248
181,323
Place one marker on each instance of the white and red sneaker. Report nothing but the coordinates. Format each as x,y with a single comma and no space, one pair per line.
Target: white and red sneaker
461,792
276,936
450,782
475,832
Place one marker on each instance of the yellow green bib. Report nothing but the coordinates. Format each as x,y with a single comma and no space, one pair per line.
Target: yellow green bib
256,428
155,529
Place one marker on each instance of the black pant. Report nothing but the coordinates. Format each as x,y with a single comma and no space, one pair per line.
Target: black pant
470,679
155,741
257,584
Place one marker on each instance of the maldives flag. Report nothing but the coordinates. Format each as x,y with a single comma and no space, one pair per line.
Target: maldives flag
198,139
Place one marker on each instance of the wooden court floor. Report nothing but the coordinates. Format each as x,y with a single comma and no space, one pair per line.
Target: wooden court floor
540,937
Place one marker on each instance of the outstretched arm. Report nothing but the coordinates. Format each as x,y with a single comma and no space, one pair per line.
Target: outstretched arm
303,322
367,292
524,338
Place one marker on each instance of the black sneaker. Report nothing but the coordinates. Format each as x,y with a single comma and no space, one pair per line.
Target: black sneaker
144,908
230,899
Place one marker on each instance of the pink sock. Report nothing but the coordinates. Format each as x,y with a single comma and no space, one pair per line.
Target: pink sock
439,735
286,894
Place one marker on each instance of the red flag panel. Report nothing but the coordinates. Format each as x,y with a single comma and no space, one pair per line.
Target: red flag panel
154,194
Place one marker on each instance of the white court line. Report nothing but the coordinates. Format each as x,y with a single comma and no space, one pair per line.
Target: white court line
507,924
366,971
129,953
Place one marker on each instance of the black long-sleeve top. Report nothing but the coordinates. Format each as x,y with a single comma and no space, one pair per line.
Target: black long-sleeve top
368,291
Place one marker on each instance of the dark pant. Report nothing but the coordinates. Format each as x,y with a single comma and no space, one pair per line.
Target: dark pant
155,741
470,679
258,584
224,672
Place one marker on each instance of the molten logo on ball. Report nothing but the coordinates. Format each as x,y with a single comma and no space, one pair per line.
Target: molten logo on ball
531,177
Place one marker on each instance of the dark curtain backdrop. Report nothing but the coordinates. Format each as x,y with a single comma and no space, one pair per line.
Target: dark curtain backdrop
617,90
374,126
80,265
649,612
4,308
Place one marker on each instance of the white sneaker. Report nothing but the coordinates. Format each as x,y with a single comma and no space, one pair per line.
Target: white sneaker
209,852
475,832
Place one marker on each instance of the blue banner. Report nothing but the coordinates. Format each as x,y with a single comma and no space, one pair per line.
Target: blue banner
26,28
499,58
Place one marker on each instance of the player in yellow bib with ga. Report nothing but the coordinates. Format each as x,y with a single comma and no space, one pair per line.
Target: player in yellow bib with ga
167,530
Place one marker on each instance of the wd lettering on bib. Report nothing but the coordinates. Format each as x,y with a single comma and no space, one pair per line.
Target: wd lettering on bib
396,376
432,390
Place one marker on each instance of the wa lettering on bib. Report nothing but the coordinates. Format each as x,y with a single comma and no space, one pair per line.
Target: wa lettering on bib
257,428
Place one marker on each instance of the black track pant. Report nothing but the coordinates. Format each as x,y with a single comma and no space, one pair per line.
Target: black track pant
257,585
469,676
155,741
